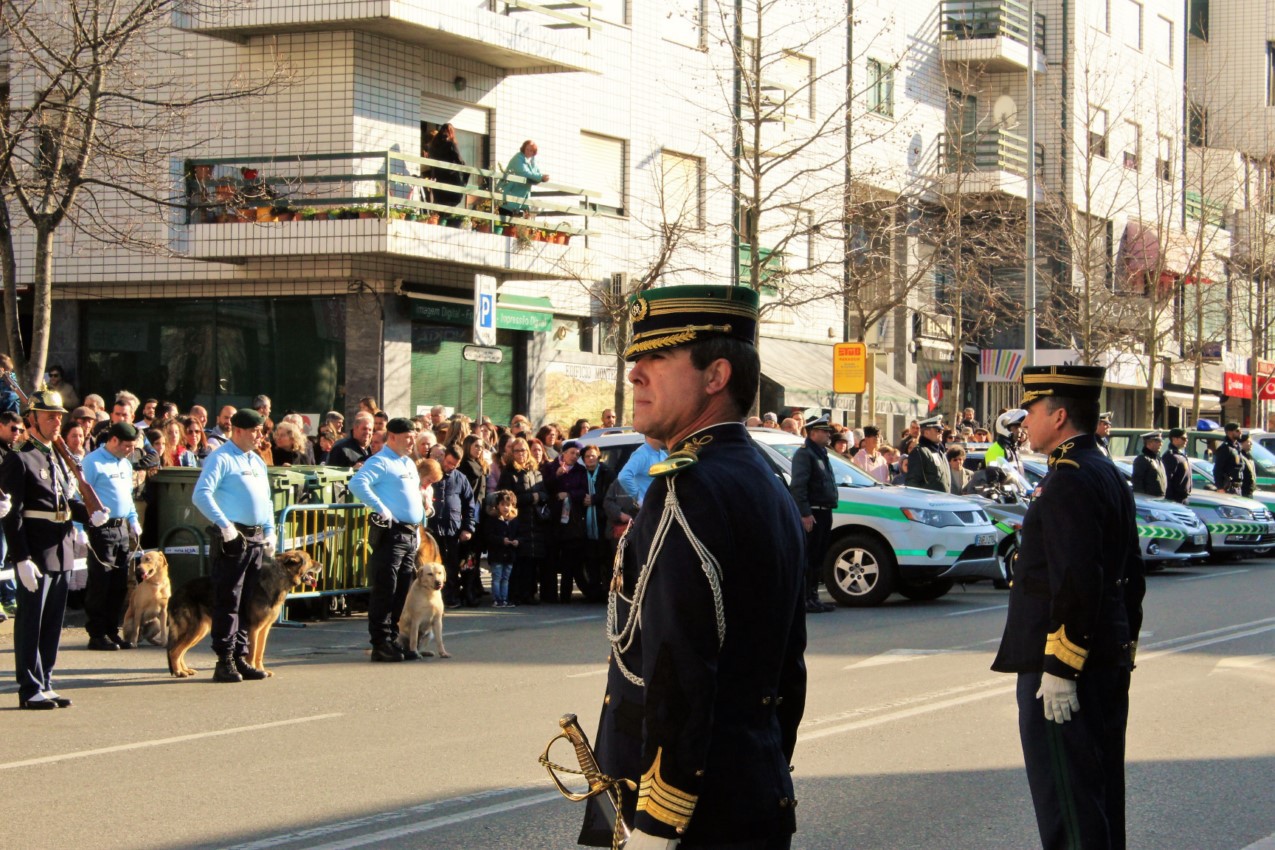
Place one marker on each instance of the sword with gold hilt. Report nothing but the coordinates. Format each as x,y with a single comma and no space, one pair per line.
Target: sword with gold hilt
605,788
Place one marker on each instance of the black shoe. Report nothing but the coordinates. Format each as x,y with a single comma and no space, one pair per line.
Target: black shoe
114,637
386,652
40,704
126,644
247,671
101,643
61,702
815,607
411,655
226,671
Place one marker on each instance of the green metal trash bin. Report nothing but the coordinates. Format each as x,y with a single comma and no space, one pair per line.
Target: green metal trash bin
286,487
324,485
182,528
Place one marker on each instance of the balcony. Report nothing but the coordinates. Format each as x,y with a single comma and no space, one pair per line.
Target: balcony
241,209
990,35
771,266
1253,240
986,163
518,36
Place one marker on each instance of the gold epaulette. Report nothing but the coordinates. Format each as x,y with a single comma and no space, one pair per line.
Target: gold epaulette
672,464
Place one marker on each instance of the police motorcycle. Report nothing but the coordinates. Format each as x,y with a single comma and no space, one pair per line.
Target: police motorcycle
1003,494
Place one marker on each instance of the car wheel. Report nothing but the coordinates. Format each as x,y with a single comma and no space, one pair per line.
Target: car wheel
924,591
1008,560
859,571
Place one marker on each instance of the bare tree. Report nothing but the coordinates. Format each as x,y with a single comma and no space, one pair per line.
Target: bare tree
92,122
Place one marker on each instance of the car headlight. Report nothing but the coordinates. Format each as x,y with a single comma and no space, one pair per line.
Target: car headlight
1234,513
931,517
1153,516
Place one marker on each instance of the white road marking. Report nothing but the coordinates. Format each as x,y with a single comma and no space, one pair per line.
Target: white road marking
1242,661
141,745
1267,843
1213,575
891,656
977,610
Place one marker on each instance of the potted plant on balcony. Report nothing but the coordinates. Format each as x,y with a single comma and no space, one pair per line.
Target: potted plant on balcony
305,214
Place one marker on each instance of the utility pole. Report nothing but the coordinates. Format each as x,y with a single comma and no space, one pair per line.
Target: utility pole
1029,320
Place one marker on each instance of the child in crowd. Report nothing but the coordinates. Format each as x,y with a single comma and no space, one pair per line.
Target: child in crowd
502,540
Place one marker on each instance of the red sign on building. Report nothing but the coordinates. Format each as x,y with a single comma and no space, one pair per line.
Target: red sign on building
1235,385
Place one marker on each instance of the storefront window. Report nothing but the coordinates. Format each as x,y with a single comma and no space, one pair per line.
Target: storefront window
441,375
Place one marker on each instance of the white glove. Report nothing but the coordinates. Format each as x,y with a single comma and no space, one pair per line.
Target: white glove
1059,696
5,504
82,538
639,840
99,518
137,528
29,574
379,519
269,549
229,533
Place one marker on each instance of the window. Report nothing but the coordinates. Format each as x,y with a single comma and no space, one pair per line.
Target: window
1132,23
1099,14
1198,25
611,11
472,137
1133,150
683,22
797,251
880,88
1164,158
1197,125
796,74
683,178
1270,73
603,170
1097,132
1162,40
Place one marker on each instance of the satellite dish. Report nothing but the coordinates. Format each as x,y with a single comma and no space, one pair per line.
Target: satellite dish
1005,112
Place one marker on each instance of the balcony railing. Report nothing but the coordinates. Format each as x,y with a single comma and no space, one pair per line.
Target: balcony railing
381,184
771,262
972,19
1207,210
566,14
997,150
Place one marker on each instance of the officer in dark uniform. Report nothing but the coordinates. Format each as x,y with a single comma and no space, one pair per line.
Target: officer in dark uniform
1101,433
927,463
1228,466
40,535
706,682
815,489
1177,468
1075,610
1149,476
1249,487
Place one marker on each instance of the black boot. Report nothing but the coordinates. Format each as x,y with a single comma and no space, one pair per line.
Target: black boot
247,671
226,671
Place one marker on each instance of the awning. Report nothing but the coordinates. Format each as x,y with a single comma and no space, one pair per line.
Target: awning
1177,399
804,370
1143,254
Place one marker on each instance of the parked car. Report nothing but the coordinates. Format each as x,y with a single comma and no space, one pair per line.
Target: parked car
885,539
1202,479
1200,445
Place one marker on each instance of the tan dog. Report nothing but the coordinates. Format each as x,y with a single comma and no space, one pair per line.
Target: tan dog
423,609
147,614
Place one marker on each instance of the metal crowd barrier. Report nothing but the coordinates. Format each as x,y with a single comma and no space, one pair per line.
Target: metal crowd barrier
335,536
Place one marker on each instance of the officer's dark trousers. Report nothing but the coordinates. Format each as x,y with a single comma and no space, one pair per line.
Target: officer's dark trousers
1076,769
37,631
816,548
108,579
234,576
391,569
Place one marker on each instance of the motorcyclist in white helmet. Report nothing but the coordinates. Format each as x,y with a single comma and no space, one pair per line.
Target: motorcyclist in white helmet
1004,452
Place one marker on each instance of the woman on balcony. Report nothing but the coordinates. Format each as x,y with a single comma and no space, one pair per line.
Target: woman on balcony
444,149
523,165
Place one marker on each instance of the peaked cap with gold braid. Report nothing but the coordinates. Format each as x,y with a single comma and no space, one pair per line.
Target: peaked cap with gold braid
678,315
1083,382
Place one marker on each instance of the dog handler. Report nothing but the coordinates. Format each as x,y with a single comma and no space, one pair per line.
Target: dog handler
233,493
109,471
40,535
390,486
1075,609
706,682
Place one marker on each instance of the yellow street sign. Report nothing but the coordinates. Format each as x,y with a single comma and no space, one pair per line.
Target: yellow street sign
850,368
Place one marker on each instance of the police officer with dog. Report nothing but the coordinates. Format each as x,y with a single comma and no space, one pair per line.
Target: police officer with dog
40,534
1075,610
109,471
814,488
233,493
389,485
706,680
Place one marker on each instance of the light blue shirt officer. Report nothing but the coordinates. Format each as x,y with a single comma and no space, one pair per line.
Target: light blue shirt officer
111,477
388,482
234,487
635,477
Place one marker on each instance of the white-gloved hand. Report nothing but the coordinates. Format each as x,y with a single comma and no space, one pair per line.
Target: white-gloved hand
82,539
229,533
136,528
5,505
29,574
99,518
269,549
1059,696
640,840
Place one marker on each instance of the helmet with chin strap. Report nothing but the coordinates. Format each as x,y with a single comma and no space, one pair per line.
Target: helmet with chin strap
1008,418
45,400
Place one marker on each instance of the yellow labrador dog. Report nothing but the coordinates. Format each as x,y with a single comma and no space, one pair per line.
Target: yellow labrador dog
423,610
147,614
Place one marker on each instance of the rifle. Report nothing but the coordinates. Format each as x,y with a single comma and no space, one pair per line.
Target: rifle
600,785
91,501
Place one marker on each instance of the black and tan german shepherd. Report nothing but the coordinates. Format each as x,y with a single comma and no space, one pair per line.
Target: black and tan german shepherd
190,609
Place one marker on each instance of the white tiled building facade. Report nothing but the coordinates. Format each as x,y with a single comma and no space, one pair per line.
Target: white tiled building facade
631,104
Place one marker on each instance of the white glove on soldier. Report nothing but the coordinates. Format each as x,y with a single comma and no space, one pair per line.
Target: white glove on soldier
229,533
5,505
136,528
29,574
640,840
269,549
1059,696
99,518
82,539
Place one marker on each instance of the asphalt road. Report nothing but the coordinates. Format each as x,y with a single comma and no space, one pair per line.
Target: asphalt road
909,740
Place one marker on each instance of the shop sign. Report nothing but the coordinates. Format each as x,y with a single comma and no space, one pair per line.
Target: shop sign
850,368
507,318
1235,385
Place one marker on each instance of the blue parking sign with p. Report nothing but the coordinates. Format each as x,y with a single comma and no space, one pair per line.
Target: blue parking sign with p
484,310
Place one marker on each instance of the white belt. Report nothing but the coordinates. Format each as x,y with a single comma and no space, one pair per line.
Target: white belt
51,516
